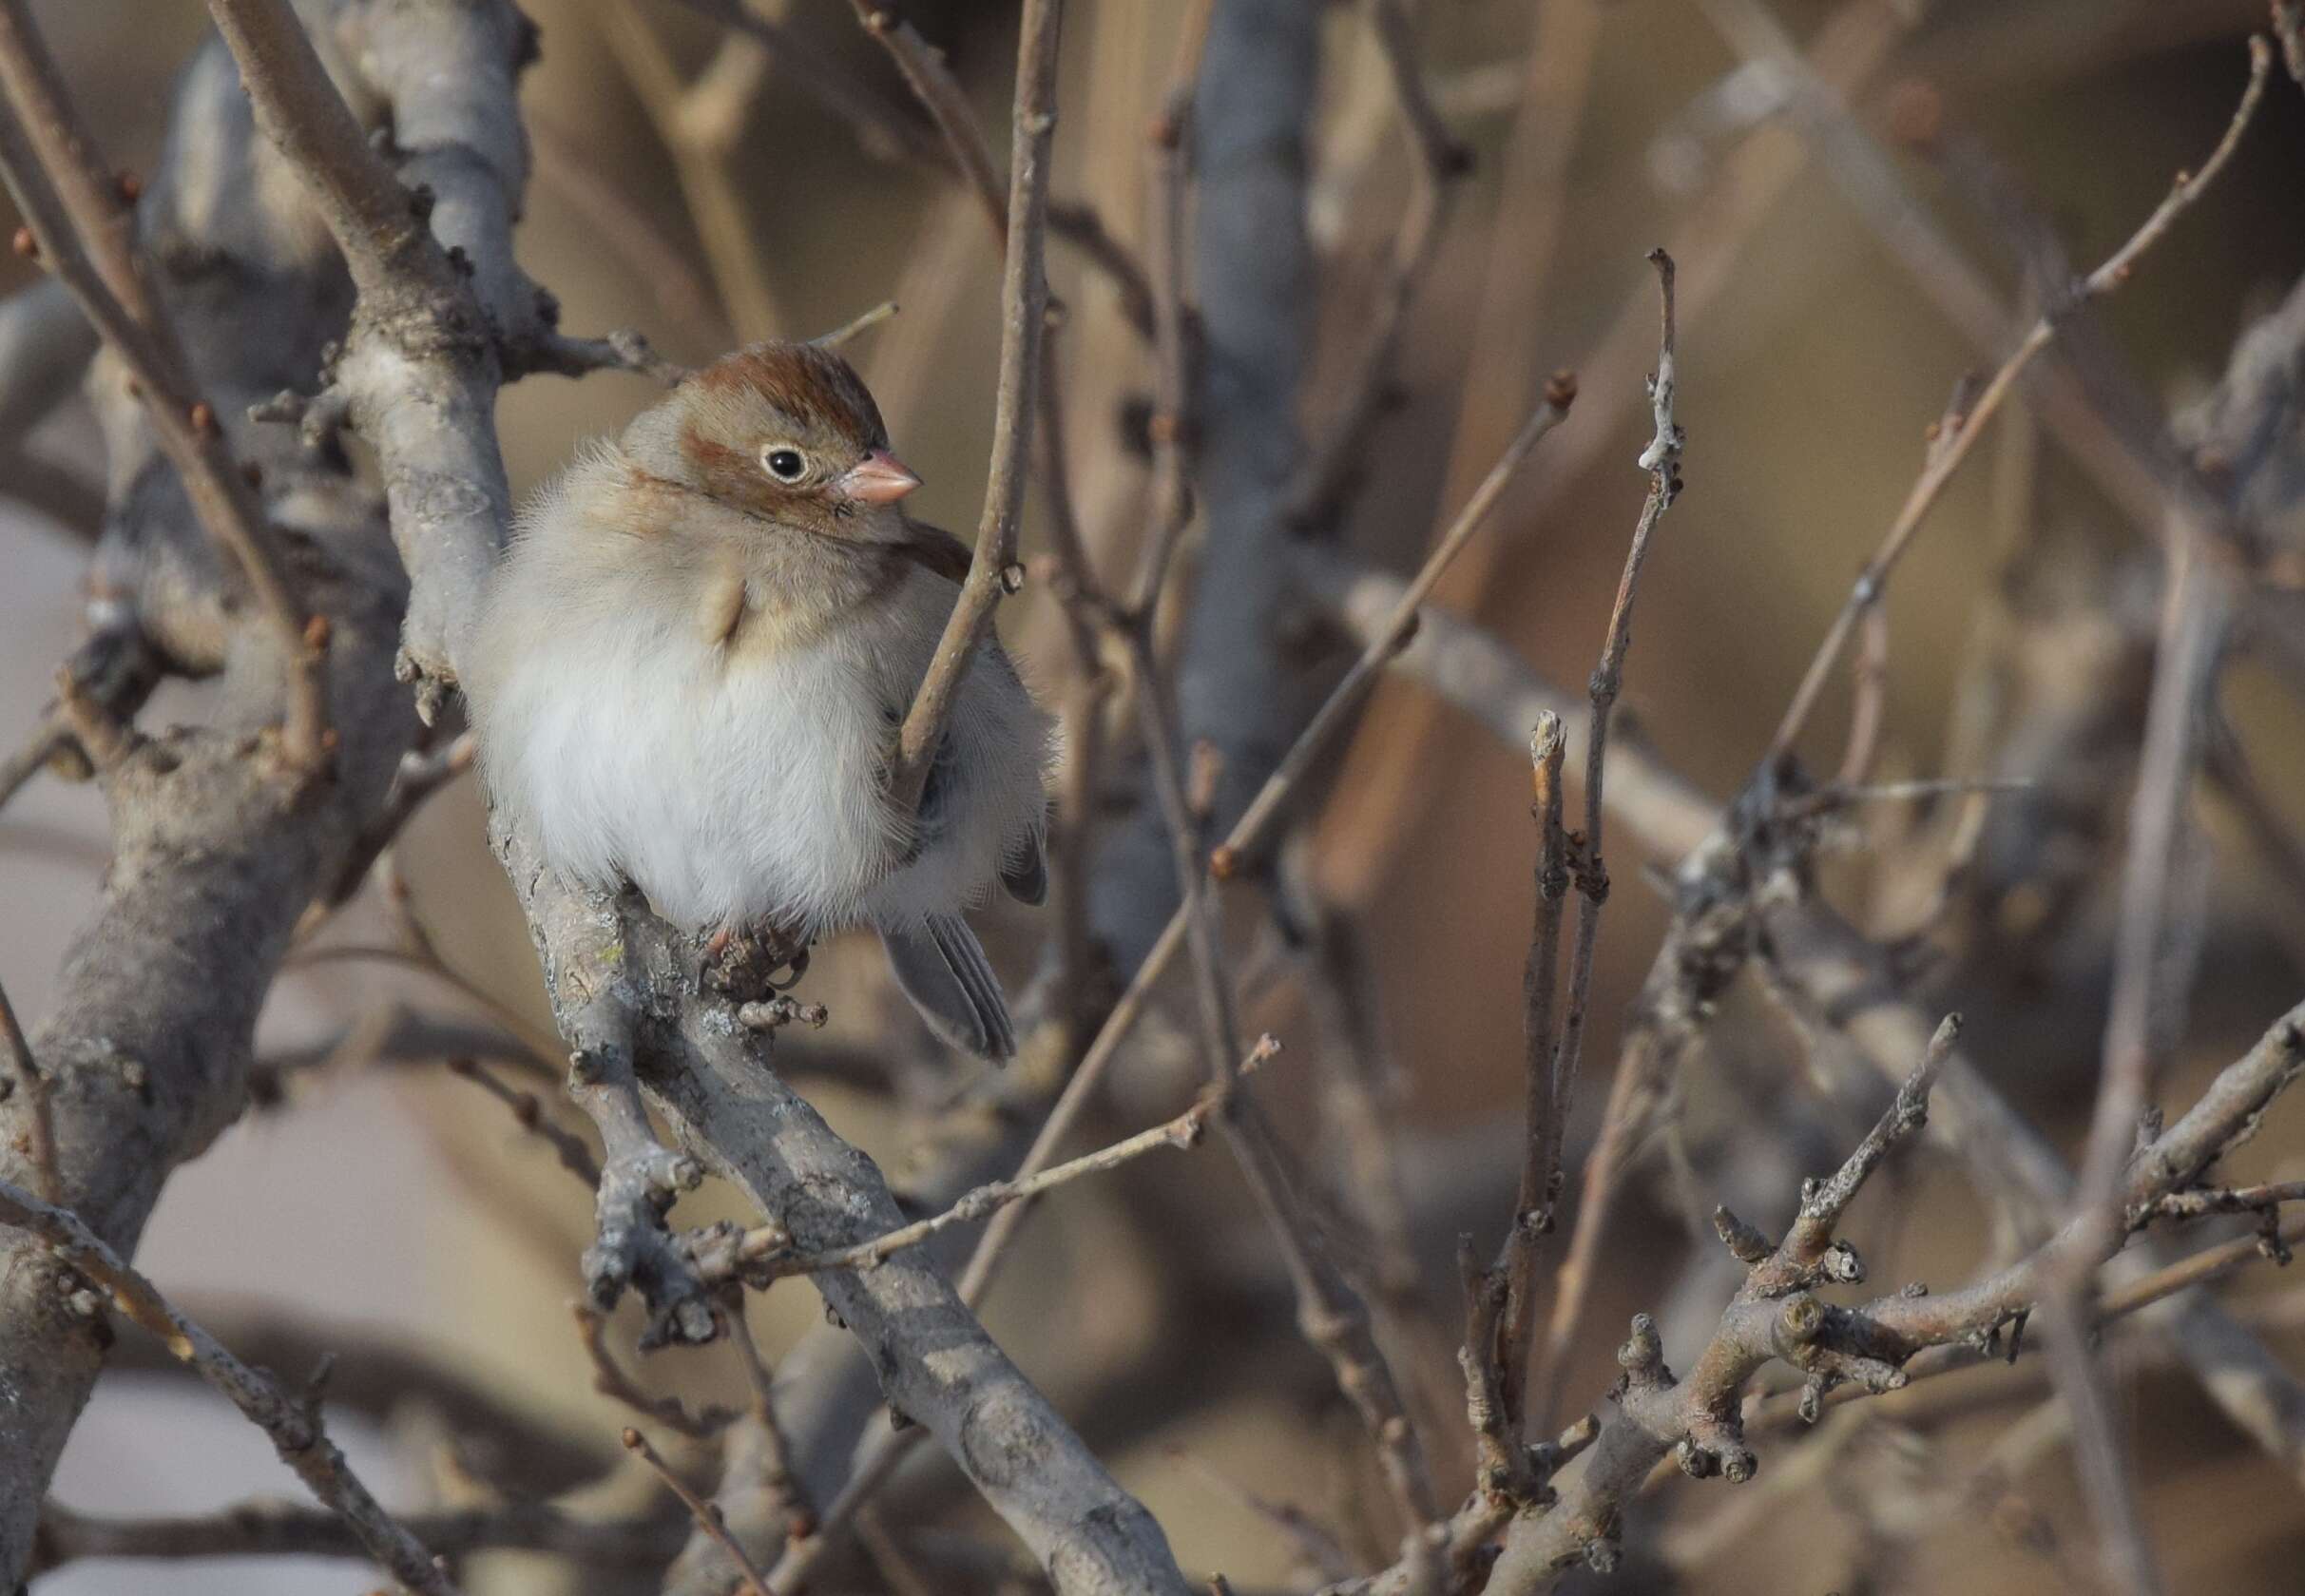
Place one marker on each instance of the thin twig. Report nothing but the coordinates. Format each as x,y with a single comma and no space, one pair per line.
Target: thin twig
544,1047
1329,1312
529,1111
707,1514
1541,1148
2221,1199
1869,717
609,1380
776,1448
766,1255
882,127
47,739
2201,1268
939,92
1661,460
421,775
1166,245
1315,1547
855,324
2196,609
1822,1207
1024,311
293,1424
1944,462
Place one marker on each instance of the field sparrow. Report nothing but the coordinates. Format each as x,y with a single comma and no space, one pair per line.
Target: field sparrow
693,663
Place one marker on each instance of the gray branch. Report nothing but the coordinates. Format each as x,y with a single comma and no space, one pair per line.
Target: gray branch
733,1112
147,1048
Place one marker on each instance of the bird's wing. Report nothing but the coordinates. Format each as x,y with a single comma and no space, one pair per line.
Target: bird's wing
934,549
1026,878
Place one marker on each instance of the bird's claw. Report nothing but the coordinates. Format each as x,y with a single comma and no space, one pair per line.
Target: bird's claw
745,965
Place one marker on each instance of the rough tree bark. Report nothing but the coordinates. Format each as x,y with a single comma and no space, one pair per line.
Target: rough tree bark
149,1047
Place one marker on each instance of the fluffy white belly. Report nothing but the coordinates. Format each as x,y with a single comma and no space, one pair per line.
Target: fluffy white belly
744,790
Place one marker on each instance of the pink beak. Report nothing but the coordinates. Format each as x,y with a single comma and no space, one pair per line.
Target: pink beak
879,478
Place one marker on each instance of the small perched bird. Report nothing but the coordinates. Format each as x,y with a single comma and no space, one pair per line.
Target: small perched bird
694,662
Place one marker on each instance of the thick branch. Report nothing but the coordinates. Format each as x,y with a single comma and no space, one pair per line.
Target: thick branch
79,218
147,1049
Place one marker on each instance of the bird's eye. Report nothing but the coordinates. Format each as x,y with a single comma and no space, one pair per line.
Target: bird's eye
784,463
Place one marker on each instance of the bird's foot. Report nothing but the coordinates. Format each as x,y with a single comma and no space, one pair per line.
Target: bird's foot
750,966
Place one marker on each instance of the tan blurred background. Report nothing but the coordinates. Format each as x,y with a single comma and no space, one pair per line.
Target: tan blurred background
402,1206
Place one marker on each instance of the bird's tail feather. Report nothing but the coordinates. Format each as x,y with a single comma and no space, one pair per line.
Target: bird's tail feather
942,968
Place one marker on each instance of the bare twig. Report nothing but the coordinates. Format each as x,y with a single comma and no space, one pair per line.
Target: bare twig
952,139
1661,460
1541,1150
1869,717
940,93
610,1380
2220,1199
2195,608
862,322
541,1044
1503,1472
529,1112
420,775
2201,1268
1166,246
1822,1207
294,1425
884,128
1329,1312
50,737
775,1447
766,1255
706,1514
1847,50
1315,1547
1945,459
1024,311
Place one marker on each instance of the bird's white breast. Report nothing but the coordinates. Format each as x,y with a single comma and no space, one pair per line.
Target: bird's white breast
728,788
